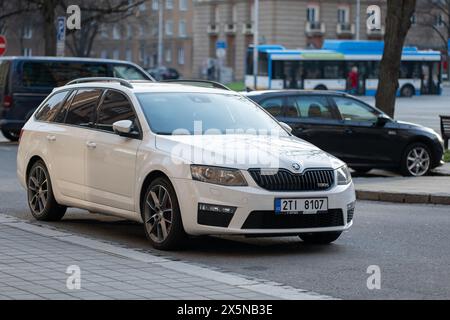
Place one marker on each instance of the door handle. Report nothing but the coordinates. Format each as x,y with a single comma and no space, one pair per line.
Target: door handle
51,137
348,131
91,145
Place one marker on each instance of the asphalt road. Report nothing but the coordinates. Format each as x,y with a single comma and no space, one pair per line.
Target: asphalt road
410,244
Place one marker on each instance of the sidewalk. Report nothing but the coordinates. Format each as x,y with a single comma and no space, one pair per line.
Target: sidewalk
434,189
34,260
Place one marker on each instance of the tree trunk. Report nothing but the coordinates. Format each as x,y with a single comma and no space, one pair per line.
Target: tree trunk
398,22
48,14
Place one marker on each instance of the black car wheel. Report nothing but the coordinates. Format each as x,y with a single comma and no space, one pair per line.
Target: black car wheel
162,217
12,135
407,91
41,200
416,160
320,237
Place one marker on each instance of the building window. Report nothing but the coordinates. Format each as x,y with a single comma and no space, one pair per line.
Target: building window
169,27
312,13
116,32
155,5
27,52
181,56
234,13
413,19
104,54
169,4
343,15
142,6
168,55
438,20
129,31
116,54
27,32
183,5
182,28
216,14
128,55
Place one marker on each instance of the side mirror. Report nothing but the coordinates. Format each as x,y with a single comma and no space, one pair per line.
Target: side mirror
382,120
286,127
123,127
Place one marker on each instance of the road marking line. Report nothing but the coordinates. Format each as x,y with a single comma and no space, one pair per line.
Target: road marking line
269,288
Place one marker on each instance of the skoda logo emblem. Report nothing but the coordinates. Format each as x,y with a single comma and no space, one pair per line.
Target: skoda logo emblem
296,166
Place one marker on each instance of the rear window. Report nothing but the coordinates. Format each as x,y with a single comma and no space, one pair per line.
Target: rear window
56,74
128,72
51,107
82,109
4,71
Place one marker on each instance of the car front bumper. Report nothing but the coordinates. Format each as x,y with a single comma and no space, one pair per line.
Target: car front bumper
259,203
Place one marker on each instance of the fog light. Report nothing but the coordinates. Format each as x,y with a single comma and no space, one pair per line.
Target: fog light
216,208
350,211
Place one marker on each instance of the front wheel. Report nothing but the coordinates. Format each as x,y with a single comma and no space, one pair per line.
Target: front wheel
41,200
320,237
11,135
416,160
162,217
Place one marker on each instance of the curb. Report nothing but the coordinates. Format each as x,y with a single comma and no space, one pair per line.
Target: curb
398,197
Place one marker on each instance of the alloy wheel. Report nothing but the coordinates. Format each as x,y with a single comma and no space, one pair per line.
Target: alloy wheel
418,161
38,189
158,213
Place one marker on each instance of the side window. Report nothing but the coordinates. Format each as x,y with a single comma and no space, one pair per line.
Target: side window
115,107
305,106
128,72
82,108
352,110
273,106
51,107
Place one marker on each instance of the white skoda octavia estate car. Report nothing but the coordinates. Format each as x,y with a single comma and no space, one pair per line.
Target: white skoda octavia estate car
183,160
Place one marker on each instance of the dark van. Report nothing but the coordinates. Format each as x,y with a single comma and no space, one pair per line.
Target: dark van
26,81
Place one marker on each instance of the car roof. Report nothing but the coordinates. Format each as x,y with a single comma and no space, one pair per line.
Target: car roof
63,59
286,92
148,86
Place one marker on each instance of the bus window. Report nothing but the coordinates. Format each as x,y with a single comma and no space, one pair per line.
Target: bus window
333,69
313,70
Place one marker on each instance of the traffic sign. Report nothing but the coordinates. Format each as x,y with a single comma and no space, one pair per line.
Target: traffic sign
60,36
221,44
2,45
221,49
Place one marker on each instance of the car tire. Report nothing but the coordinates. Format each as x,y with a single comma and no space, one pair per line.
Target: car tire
321,87
11,135
41,199
361,169
416,160
320,237
161,214
407,91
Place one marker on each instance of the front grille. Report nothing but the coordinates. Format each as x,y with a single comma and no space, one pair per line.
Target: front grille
284,180
270,220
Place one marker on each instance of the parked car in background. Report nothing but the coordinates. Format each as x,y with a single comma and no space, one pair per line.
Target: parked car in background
355,132
26,81
164,73
134,150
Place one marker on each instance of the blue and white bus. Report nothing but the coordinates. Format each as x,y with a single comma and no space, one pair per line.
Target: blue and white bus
329,67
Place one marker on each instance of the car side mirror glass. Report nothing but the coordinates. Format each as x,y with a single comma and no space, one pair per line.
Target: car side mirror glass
123,127
382,120
286,127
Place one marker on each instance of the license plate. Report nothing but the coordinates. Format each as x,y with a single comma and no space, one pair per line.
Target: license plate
304,205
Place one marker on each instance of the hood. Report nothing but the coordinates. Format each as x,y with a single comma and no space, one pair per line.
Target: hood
247,151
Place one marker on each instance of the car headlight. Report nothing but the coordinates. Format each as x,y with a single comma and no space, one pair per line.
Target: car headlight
344,176
217,175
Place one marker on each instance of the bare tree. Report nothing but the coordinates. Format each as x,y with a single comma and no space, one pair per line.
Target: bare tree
94,11
9,9
95,18
398,22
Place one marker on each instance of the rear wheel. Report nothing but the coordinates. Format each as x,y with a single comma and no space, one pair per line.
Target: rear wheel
416,160
162,217
12,135
321,87
41,200
320,237
407,91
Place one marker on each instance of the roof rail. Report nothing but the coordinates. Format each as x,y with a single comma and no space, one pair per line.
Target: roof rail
198,83
123,82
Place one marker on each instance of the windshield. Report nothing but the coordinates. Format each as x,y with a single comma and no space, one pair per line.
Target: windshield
205,113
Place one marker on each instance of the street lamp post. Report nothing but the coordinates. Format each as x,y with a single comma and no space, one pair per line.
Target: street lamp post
358,18
255,43
160,31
